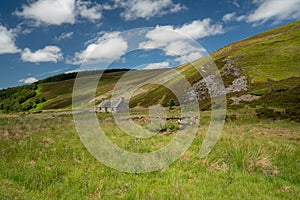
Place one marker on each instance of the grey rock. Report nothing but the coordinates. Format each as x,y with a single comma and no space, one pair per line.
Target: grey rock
247,97
210,86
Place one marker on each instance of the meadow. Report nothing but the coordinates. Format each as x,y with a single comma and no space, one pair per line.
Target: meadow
42,157
257,156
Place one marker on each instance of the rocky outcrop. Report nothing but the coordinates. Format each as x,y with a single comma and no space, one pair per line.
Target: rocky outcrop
247,97
238,85
210,86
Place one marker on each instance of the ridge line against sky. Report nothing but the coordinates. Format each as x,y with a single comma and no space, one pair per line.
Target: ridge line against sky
39,38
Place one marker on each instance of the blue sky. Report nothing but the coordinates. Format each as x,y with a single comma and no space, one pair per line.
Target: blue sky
41,38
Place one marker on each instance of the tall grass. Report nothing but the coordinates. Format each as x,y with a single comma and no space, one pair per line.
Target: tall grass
42,157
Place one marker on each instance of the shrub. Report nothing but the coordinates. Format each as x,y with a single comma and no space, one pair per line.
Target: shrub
260,92
40,100
171,103
292,114
12,99
27,106
287,114
231,117
171,127
265,113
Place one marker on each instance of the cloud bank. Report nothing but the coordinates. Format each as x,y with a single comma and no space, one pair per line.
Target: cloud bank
277,10
58,12
146,9
103,50
159,65
7,41
28,80
268,10
175,41
47,54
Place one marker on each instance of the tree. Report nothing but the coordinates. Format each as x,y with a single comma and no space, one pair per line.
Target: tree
171,103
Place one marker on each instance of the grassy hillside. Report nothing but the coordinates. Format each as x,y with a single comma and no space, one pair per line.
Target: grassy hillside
270,61
52,93
271,55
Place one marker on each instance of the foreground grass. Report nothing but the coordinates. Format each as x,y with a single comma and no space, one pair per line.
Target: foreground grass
42,158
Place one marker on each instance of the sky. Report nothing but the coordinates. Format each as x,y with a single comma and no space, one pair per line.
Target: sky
42,38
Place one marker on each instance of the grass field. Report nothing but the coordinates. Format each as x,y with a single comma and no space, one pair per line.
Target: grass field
42,157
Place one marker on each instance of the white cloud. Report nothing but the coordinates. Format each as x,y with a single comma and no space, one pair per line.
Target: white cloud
58,12
104,49
52,12
277,10
64,36
75,70
107,6
28,80
185,50
48,54
195,30
233,17
88,10
200,29
21,30
229,17
174,41
236,4
241,18
160,65
146,9
7,41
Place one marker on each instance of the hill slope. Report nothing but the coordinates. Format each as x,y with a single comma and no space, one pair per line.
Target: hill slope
271,55
270,63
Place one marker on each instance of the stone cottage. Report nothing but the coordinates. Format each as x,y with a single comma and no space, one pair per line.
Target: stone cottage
113,106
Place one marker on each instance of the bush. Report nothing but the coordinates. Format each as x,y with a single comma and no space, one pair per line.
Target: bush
40,100
270,113
171,127
12,99
230,118
292,114
265,113
260,92
171,103
28,106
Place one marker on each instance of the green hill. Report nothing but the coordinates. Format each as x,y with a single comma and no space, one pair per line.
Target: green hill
269,61
271,55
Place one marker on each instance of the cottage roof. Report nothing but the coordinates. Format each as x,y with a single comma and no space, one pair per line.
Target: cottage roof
110,103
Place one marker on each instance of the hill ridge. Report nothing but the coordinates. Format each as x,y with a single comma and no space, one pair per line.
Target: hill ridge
269,59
